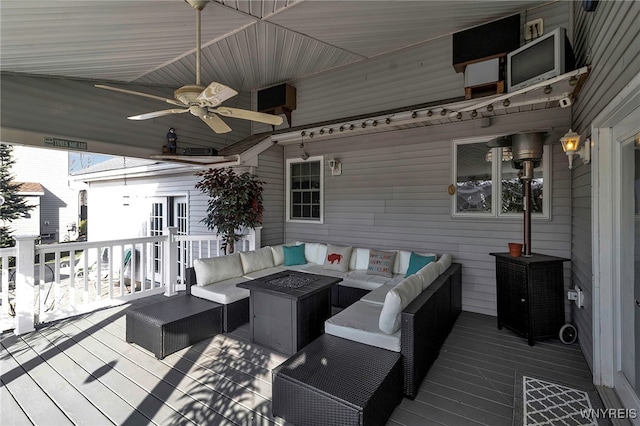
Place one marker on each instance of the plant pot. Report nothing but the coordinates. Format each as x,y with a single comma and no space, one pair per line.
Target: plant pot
515,249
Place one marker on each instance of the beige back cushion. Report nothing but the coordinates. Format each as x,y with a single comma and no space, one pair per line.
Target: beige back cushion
214,269
257,259
396,300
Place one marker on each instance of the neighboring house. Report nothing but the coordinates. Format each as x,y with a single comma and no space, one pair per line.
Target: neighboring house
144,196
393,190
44,177
29,224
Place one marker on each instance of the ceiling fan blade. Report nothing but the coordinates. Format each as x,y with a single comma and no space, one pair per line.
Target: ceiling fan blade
133,92
158,114
215,94
216,123
249,115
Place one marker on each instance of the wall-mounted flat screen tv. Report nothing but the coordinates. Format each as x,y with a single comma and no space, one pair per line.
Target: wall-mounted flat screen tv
545,57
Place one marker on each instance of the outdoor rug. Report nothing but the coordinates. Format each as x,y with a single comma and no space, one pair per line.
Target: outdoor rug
542,402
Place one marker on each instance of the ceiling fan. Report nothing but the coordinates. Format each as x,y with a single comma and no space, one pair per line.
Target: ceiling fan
198,100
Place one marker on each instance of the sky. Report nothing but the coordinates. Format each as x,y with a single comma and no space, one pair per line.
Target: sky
82,160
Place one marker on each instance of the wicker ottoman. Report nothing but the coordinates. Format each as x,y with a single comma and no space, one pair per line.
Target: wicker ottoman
173,324
335,381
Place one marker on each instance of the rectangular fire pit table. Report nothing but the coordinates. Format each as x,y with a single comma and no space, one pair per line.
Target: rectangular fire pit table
173,324
287,309
336,381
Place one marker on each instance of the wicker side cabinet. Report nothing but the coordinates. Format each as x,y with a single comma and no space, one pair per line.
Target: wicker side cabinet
530,294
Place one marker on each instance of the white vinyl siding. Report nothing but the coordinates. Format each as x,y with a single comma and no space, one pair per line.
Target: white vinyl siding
614,57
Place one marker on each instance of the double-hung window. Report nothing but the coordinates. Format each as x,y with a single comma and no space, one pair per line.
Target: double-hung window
305,190
488,185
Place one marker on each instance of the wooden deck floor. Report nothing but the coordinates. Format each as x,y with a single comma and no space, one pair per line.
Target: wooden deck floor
81,371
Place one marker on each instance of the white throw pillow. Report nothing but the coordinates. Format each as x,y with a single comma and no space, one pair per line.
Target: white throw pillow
428,274
362,259
312,252
337,258
214,269
396,300
402,261
256,260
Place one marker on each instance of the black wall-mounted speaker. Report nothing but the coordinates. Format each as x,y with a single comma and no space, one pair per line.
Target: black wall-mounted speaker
486,42
280,96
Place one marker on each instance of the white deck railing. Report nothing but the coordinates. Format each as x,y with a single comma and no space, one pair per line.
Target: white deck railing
55,281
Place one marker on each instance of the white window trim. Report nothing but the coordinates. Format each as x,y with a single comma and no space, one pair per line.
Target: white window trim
496,172
290,161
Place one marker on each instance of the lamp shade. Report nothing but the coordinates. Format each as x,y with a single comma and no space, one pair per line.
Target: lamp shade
570,142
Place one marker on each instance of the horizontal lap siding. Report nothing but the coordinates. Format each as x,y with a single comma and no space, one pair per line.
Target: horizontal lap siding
607,40
271,172
392,194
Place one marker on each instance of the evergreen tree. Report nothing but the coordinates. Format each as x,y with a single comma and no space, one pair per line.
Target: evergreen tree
14,205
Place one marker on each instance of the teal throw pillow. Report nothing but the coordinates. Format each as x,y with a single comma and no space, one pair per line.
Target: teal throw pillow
294,255
417,262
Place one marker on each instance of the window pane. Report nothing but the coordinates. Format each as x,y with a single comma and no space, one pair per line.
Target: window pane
513,190
296,197
296,211
473,180
314,168
295,183
306,211
295,169
306,197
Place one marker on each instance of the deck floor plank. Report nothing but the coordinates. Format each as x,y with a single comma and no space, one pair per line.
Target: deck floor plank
25,391
11,414
192,366
71,402
168,399
68,362
226,379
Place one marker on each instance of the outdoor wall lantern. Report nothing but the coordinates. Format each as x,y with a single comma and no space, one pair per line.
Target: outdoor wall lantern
336,167
571,146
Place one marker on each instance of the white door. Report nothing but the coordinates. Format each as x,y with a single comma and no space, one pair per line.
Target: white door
157,223
179,220
626,136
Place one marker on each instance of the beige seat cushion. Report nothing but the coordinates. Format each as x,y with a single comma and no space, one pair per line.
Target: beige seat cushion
224,292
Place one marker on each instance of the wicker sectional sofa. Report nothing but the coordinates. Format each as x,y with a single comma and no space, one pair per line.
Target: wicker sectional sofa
413,320
215,278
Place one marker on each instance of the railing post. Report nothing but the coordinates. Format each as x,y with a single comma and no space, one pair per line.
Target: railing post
170,261
254,237
25,284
